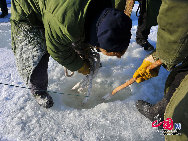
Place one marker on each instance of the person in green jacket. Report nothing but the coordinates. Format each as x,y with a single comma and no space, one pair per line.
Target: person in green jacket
172,51
149,10
67,31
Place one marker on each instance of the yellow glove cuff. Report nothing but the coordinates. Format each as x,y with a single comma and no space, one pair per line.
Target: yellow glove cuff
84,69
142,72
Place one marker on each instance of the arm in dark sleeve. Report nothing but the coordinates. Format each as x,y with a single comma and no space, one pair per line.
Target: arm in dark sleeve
120,4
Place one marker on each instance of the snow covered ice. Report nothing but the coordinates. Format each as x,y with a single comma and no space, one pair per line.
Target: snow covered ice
22,119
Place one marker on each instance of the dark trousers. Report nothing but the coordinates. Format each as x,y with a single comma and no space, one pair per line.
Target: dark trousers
174,80
33,65
39,76
142,30
3,6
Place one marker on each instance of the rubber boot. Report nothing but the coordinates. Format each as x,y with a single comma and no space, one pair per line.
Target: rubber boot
145,44
43,99
151,111
3,14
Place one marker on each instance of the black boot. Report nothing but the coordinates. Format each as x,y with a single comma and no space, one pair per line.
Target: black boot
3,14
145,44
151,111
43,99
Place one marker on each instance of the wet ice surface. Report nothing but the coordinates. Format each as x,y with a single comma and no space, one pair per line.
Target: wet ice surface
22,119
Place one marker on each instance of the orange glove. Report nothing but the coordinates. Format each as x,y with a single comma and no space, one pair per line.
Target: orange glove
143,73
84,69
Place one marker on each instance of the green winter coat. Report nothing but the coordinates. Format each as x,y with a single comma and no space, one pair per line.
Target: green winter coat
63,22
172,36
172,49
